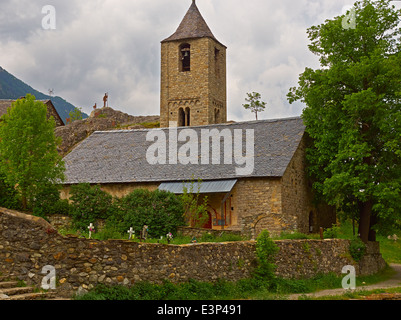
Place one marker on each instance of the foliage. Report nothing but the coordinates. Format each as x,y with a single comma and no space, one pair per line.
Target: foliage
76,114
48,202
219,290
161,211
28,148
295,235
88,204
150,125
254,103
266,249
9,197
196,212
353,116
357,249
331,233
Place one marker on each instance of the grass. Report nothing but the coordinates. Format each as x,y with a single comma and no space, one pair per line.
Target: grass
196,290
107,234
252,288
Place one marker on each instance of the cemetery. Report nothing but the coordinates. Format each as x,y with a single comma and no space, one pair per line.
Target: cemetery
28,243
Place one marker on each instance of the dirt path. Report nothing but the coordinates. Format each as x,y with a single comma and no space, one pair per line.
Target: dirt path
394,282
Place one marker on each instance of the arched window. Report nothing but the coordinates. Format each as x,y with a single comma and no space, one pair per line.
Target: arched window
187,117
185,57
311,222
216,115
181,117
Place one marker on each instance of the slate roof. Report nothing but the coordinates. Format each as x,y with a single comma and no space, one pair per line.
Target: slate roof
119,156
192,26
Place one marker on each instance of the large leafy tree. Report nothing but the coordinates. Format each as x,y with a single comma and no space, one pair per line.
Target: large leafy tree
353,115
28,148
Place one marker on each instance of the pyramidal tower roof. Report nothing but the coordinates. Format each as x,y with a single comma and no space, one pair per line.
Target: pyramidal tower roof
192,26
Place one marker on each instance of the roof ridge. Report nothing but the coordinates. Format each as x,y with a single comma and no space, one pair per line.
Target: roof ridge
202,126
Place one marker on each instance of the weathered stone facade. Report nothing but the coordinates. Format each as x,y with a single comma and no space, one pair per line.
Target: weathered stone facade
27,244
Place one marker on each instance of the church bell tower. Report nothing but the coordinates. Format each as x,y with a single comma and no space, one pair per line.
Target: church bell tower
193,75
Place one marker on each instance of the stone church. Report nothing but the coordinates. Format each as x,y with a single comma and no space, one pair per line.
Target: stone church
264,185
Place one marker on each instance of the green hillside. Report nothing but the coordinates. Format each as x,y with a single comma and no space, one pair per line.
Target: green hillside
13,88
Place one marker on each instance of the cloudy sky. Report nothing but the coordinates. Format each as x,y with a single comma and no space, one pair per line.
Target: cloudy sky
113,46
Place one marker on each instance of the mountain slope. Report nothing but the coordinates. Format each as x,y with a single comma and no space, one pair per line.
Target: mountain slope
13,88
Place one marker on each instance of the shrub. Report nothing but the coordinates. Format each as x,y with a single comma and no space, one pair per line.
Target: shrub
357,249
331,233
266,249
161,211
48,202
88,204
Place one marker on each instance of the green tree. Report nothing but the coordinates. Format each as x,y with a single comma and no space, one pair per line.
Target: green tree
28,148
353,115
254,103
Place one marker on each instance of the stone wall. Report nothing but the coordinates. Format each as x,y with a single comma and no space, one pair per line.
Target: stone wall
298,201
27,244
199,232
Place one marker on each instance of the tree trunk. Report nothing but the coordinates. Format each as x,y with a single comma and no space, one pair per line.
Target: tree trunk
24,202
365,212
372,232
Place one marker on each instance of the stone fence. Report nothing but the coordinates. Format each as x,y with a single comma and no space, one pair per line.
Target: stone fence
28,244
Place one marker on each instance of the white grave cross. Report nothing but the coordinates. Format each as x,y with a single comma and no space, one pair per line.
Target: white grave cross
90,230
130,231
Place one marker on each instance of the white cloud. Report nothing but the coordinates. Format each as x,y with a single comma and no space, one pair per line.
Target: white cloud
114,46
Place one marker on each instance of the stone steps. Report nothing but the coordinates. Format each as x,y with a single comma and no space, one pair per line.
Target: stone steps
9,290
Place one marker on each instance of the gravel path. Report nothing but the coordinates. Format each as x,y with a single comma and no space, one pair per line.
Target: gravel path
394,282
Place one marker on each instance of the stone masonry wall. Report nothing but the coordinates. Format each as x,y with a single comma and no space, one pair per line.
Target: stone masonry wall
203,89
297,200
27,244
257,202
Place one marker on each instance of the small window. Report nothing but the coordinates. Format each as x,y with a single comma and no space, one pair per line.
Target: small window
187,117
185,57
311,222
216,115
217,62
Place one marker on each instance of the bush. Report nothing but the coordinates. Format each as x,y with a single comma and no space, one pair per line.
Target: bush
161,211
357,249
331,233
266,249
88,204
48,202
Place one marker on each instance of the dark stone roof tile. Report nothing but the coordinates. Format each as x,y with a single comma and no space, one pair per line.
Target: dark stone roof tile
120,156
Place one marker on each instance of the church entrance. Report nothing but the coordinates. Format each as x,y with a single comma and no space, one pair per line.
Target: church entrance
208,223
